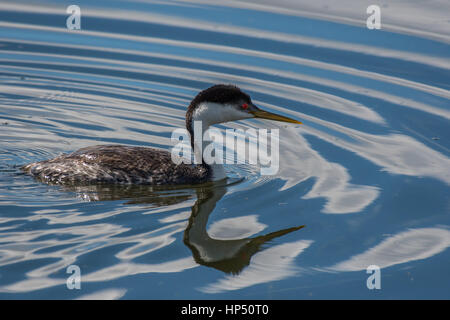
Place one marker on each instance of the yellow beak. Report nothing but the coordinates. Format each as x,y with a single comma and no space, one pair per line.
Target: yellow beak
272,116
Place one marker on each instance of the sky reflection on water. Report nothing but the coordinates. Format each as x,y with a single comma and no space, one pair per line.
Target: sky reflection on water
364,180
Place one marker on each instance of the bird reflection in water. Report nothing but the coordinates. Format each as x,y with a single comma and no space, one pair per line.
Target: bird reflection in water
229,256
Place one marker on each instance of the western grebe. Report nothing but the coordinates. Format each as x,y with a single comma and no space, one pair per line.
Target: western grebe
141,165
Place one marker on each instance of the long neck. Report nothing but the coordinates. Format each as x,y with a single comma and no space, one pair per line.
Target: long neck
199,140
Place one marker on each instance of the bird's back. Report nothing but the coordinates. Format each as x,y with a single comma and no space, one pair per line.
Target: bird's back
117,164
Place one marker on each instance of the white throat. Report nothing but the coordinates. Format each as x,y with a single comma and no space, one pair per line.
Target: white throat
210,113
218,171
207,114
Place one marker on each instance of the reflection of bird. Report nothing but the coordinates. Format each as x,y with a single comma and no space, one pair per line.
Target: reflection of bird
155,196
139,165
229,256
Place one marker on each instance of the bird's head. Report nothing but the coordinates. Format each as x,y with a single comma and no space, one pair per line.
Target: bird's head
222,103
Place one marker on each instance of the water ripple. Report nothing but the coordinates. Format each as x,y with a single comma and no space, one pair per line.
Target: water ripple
375,108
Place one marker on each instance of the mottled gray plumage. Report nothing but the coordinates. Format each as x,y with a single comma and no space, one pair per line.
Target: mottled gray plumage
117,164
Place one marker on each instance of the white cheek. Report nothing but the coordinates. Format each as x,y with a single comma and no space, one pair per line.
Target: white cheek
212,113
234,114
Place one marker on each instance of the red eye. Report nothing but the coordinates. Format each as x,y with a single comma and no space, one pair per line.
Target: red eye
244,106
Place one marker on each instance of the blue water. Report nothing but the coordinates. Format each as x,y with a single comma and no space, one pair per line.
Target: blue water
365,181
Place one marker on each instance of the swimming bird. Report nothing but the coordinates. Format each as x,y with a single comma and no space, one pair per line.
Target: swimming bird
119,164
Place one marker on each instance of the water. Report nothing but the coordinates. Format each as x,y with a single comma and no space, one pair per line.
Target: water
367,175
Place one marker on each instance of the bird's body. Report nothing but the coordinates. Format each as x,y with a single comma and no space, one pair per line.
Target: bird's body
117,164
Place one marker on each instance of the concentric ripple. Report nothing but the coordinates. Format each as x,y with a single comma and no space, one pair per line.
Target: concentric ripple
371,160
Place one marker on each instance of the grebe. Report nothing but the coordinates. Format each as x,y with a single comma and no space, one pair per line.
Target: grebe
140,165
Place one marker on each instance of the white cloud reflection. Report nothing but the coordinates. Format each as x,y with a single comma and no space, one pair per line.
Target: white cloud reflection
125,269
236,228
332,180
272,264
107,294
429,21
407,246
73,242
394,153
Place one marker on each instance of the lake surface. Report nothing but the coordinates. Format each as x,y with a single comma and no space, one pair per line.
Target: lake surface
365,181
